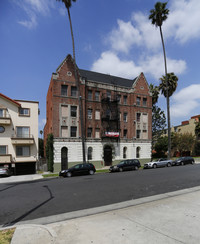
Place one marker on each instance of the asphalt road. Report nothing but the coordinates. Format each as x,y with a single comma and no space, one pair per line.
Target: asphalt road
46,197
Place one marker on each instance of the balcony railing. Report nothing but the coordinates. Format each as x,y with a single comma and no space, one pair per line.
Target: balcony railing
5,158
22,139
5,119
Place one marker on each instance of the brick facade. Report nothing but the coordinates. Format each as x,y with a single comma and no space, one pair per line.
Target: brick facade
127,108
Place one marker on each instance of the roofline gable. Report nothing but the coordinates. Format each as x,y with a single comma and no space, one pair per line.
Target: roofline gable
10,100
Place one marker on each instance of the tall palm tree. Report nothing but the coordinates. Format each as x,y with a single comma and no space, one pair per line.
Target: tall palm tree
68,4
172,84
157,16
155,93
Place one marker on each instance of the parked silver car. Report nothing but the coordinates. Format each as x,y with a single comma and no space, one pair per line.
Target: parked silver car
4,171
161,162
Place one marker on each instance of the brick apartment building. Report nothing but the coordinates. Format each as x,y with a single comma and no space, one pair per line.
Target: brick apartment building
117,117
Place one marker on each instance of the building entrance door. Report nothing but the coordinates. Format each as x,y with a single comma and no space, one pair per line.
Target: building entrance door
108,155
64,158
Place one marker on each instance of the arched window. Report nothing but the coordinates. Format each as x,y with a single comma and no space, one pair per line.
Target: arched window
89,153
124,152
138,152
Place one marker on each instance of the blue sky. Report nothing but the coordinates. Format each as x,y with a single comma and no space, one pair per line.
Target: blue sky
110,37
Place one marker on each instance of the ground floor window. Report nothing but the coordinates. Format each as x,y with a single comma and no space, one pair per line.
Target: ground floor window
138,152
124,152
22,151
89,153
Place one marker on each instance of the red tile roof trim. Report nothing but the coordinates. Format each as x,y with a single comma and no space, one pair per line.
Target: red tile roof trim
9,99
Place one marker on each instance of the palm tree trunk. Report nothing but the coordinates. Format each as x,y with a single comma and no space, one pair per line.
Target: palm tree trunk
78,88
168,105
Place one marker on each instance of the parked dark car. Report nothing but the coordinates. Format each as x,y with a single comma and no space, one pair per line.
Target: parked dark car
183,161
161,162
129,164
79,169
4,171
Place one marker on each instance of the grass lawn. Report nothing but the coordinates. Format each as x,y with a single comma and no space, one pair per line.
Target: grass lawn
6,235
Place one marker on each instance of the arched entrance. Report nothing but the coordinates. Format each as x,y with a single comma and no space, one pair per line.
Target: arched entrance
107,155
64,158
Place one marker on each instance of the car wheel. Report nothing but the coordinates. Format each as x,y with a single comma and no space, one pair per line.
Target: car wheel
69,174
91,172
192,162
182,163
155,166
169,165
120,169
136,167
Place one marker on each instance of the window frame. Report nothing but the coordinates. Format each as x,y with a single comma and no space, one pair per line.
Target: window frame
62,90
22,147
23,114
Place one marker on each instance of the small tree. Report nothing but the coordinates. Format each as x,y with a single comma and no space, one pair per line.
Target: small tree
185,143
49,152
161,147
41,147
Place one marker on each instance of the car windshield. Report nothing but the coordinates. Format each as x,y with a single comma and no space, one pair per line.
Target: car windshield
122,162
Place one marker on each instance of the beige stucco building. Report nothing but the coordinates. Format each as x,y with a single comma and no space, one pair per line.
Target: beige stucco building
18,134
187,126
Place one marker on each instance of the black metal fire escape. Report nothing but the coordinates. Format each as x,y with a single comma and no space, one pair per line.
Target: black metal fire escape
110,121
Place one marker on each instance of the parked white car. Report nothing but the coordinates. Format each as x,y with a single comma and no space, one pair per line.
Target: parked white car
161,162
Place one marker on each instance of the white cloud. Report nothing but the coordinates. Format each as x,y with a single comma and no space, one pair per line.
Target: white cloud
186,101
183,23
110,63
33,8
123,37
154,65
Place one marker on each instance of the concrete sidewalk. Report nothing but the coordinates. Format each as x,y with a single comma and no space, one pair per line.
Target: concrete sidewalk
19,178
167,218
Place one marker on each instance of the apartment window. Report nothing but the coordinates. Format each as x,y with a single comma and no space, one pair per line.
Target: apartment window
144,101
22,151
138,115
64,131
23,132
125,100
125,133
73,91
73,131
90,153
97,114
89,113
108,94
64,90
125,116
1,113
97,133
138,99
2,129
119,98
97,96
24,111
64,111
89,95
73,111
138,132
89,132
3,150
